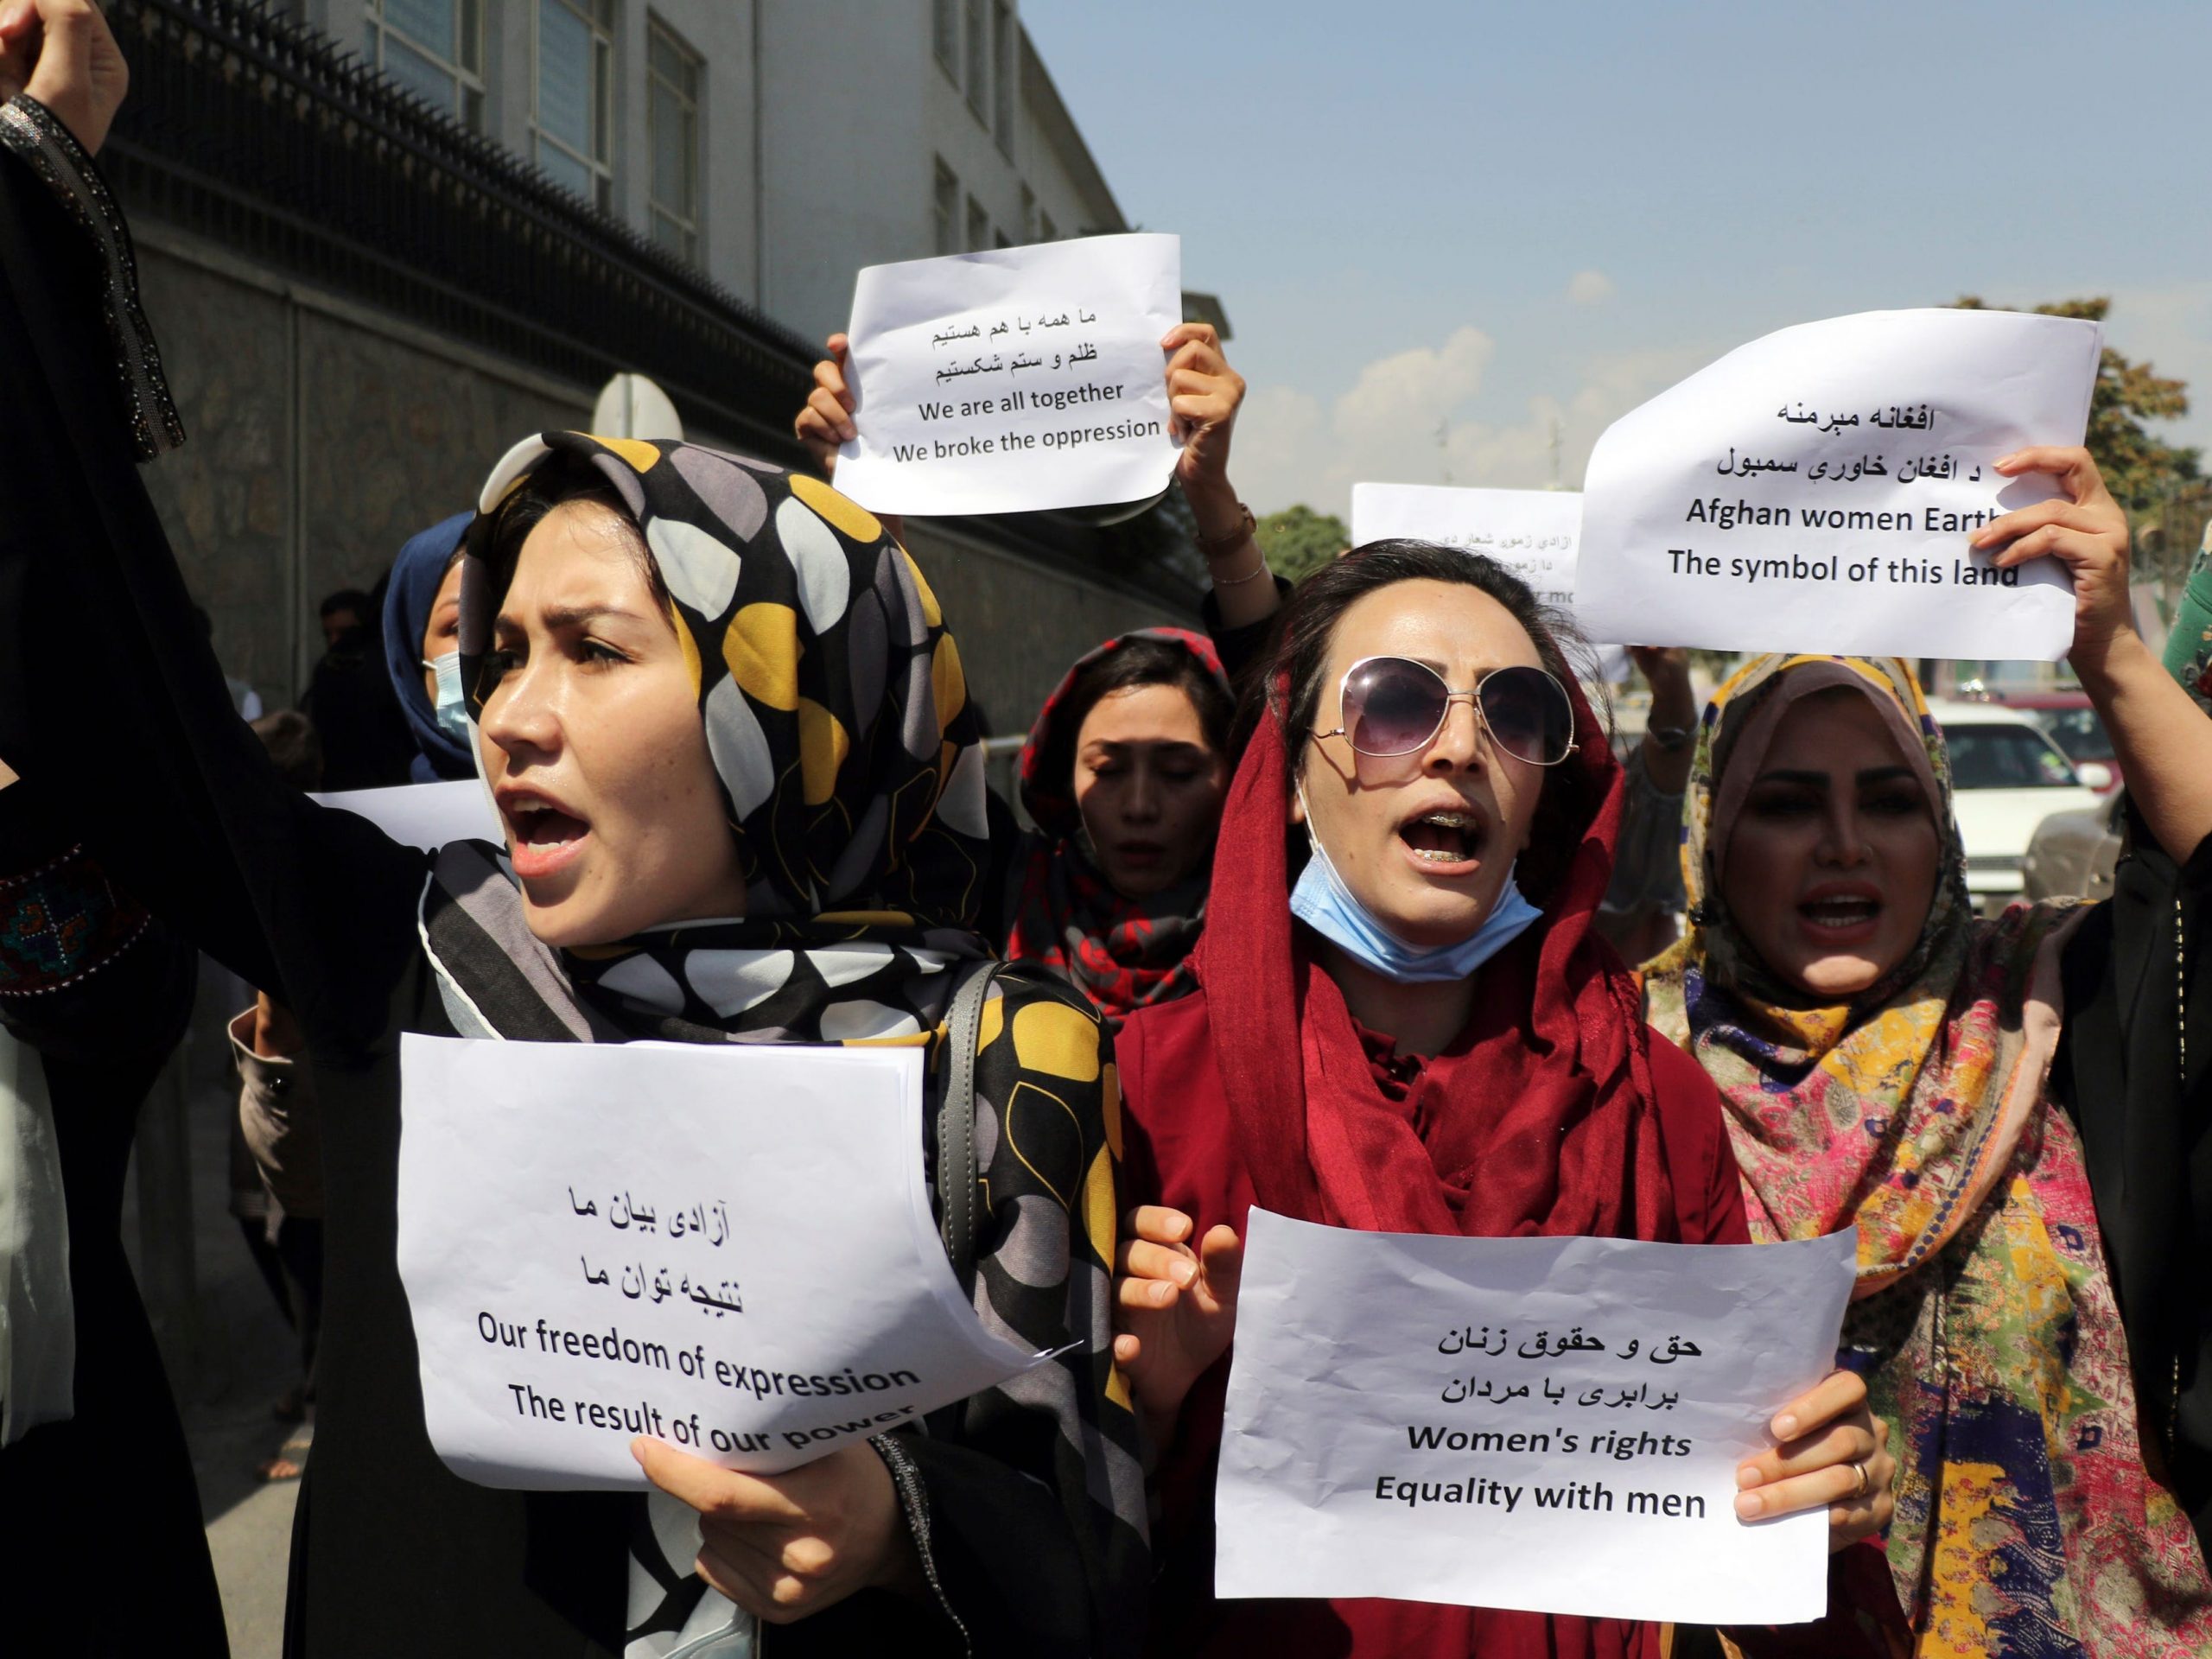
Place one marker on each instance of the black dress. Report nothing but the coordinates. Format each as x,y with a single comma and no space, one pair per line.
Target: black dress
2134,1071
111,704
110,1492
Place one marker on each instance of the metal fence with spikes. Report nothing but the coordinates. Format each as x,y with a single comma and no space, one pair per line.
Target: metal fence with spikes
261,134
264,136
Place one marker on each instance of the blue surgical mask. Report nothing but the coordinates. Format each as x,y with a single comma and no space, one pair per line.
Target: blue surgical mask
452,706
1325,904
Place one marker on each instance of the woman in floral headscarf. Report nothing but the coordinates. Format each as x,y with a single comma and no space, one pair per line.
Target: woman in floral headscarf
730,738
2002,1119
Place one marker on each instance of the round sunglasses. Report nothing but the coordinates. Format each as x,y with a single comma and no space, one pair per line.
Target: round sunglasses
1393,705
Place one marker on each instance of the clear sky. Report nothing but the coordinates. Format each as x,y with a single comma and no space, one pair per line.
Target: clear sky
1481,218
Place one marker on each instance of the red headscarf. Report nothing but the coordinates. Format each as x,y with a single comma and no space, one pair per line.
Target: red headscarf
1122,953
1548,1122
1541,1117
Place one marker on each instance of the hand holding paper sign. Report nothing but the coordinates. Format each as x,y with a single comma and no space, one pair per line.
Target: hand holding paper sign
1574,1442
785,1546
2084,529
1831,1450
2162,739
1013,380
1815,489
1175,1308
1203,394
824,422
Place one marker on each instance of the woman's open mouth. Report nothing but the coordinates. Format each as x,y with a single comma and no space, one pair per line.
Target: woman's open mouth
1445,842
1841,915
543,838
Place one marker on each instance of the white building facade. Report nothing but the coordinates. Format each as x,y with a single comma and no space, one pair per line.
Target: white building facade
777,145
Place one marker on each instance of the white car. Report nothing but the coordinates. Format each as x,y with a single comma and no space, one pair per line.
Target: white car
2006,777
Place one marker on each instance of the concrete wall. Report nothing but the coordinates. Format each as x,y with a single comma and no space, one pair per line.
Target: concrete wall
1020,626
322,434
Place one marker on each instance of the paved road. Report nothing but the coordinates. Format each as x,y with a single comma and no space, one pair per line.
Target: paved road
245,1359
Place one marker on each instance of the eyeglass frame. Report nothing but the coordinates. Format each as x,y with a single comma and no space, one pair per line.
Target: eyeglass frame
1473,695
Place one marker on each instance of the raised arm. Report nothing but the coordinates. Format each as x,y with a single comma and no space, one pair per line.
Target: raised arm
1203,394
110,700
2162,739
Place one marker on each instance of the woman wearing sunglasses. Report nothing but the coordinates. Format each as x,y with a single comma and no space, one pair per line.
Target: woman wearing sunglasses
1421,1033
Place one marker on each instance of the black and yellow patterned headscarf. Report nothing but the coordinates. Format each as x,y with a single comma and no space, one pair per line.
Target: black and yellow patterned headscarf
838,722
837,717
834,704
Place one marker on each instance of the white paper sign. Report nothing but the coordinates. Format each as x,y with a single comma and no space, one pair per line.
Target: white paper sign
1534,533
1551,1424
426,816
727,1248
1013,381
1815,491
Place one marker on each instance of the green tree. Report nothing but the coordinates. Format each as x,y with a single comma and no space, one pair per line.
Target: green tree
2159,484
1298,541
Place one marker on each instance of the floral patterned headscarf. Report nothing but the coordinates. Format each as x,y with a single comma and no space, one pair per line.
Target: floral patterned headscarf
1821,1097
1983,1316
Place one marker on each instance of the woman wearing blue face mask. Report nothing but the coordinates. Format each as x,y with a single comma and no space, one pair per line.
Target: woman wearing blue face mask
421,644
1423,1032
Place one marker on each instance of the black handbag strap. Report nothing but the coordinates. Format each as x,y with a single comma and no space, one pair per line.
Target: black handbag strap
957,1180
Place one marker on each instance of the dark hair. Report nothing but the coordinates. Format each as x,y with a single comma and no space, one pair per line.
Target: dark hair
1309,623
561,478
294,747
347,598
1135,662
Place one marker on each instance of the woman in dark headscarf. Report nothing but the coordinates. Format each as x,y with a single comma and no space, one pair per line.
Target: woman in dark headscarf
706,693
422,648
1126,766
1123,775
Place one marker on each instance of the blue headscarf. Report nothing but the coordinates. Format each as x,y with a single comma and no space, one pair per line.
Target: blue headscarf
416,577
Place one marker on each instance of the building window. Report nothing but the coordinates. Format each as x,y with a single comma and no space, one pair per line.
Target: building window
434,49
979,66
979,226
572,110
945,27
673,71
1003,73
1046,230
1028,214
948,210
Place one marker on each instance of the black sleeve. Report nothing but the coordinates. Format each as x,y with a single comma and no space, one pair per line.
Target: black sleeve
1242,650
2134,1069
110,700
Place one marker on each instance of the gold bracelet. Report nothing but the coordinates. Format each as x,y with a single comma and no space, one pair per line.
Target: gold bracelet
1213,546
